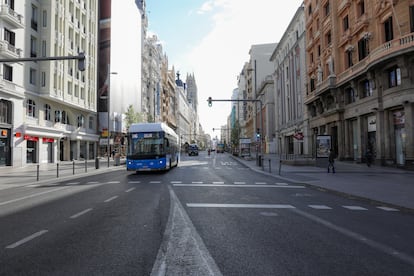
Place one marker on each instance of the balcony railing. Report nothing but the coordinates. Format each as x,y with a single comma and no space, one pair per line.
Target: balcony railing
11,16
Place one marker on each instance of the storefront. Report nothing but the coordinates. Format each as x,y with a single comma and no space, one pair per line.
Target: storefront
5,153
399,133
31,148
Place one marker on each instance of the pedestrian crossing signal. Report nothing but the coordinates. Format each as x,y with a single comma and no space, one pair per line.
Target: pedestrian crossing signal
210,101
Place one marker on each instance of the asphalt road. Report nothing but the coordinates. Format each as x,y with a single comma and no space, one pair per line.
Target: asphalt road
209,216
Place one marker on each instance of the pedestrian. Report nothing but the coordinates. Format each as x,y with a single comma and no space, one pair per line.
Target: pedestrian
331,161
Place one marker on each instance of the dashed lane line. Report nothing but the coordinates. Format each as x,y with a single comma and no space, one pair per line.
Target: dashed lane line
111,198
320,207
355,208
26,239
221,205
81,213
237,185
129,190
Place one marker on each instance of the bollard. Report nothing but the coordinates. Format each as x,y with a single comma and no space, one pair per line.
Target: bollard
96,163
262,162
37,174
280,166
86,166
270,166
57,170
73,162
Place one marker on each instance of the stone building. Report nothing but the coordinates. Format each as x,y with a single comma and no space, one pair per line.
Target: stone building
360,77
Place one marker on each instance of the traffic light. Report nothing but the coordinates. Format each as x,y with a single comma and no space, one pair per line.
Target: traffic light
258,134
81,62
210,100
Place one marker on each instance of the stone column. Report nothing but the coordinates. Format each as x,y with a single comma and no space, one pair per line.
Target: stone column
409,134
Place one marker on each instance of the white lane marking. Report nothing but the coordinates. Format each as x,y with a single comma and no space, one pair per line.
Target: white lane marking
236,185
224,205
111,198
134,182
389,209
113,182
260,183
197,182
320,207
81,213
92,182
355,208
155,182
31,237
280,183
218,182
72,183
239,183
33,195
129,190
176,182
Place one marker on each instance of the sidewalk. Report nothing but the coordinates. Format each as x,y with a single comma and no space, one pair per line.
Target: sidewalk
386,185
52,172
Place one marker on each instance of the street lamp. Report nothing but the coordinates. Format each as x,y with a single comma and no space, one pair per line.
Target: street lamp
108,147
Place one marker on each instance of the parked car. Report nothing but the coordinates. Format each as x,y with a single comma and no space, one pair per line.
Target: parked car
192,149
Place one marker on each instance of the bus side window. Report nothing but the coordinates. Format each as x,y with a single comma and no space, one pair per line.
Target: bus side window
167,145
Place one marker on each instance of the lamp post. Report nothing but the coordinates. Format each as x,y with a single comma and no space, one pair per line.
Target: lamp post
108,146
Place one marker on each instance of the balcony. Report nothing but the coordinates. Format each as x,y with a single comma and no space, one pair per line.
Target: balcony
9,15
388,49
9,51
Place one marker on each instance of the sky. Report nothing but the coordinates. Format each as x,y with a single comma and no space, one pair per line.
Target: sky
211,39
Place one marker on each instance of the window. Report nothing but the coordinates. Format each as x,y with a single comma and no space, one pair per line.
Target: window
348,55
361,7
345,23
34,17
44,19
44,48
5,112
47,112
350,95
310,9
30,108
311,57
33,47
394,77
32,76
10,37
363,49
7,72
388,32
91,122
366,89
81,121
65,118
327,8
319,50
312,84
58,116
43,79
328,38
412,18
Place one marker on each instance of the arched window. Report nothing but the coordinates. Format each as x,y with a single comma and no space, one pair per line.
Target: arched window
30,108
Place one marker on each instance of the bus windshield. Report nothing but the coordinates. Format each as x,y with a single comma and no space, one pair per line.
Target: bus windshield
146,144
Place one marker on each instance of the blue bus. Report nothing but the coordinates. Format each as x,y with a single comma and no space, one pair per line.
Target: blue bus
151,146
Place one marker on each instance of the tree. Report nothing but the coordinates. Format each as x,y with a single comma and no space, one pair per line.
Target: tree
132,117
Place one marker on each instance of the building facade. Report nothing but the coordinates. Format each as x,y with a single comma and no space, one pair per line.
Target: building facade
289,77
48,106
359,77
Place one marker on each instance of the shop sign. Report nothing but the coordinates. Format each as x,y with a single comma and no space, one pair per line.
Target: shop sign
48,140
31,138
372,124
3,133
298,136
399,118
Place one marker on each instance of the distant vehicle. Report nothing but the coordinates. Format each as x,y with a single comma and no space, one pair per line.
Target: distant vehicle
151,146
220,148
193,150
